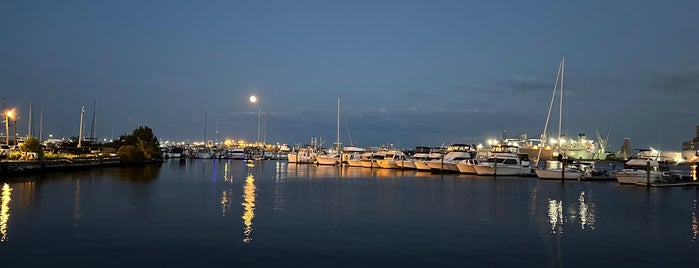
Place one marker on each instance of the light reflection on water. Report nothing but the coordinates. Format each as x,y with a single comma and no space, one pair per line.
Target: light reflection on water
5,210
249,207
584,211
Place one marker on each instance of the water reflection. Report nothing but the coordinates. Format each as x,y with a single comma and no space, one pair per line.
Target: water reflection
556,216
248,207
695,222
76,204
584,211
280,169
5,210
226,197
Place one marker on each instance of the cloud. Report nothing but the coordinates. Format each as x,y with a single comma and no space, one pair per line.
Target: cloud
685,81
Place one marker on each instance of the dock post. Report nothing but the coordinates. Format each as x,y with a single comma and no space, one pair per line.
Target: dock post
648,173
495,167
563,170
442,167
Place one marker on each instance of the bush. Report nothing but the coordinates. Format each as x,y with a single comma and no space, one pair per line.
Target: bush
130,154
32,145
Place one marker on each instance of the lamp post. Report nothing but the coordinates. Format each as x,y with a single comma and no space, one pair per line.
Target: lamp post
9,115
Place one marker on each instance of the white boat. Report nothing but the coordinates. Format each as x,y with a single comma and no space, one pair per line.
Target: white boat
391,159
328,159
455,154
467,166
553,171
369,159
236,153
505,160
333,156
303,155
407,162
350,156
641,171
423,163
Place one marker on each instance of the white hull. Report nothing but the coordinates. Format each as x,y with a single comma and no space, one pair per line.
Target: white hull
443,166
369,164
406,164
422,166
503,170
555,174
388,164
301,159
328,160
638,177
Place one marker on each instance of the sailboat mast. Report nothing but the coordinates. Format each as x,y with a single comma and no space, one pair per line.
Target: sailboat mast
560,102
338,125
548,116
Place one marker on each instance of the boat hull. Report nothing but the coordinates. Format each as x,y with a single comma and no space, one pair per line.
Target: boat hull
638,177
556,174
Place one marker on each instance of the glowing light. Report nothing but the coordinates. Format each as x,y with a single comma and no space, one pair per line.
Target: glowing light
5,211
248,207
253,99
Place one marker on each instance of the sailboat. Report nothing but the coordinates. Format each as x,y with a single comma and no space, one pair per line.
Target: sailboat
556,170
333,158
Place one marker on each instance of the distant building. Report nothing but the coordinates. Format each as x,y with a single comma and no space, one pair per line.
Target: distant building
692,145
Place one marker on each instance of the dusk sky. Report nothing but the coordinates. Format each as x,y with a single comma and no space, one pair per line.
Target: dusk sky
407,72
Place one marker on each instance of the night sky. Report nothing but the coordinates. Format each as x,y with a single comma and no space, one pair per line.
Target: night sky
407,72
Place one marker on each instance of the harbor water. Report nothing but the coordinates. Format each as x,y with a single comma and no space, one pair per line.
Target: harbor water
229,213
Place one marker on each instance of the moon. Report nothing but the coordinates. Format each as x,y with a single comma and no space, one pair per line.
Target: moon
253,99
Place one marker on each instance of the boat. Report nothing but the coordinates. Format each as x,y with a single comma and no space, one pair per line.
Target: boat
391,159
237,153
505,160
641,171
333,157
422,163
467,166
559,169
350,156
303,155
455,154
369,159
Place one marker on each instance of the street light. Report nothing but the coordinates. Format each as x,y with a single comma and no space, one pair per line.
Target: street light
9,114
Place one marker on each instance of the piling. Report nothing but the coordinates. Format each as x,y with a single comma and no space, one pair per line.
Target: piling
648,173
495,167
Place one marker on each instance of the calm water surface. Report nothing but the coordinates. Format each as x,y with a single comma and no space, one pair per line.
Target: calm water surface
203,213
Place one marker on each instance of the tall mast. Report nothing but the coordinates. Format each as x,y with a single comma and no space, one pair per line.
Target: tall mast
338,125
31,121
560,103
548,116
94,116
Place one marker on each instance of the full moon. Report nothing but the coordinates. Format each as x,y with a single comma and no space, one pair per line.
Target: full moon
253,99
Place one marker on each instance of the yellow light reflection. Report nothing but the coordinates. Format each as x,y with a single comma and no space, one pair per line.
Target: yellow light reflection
5,211
248,207
227,177
556,216
695,222
226,201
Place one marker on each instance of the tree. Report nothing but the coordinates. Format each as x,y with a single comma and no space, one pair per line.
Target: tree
32,145
130,154
141,140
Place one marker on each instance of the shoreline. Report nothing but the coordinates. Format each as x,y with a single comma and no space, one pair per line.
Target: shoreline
22,167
